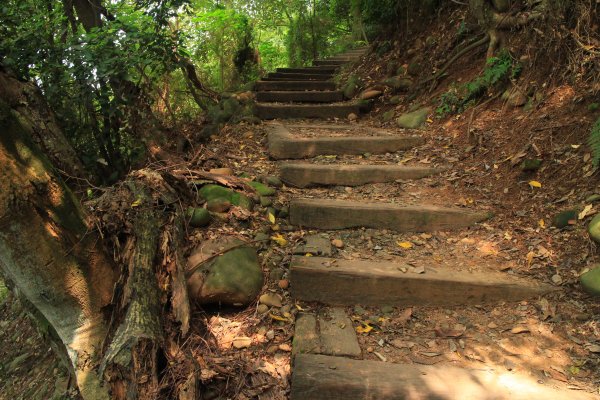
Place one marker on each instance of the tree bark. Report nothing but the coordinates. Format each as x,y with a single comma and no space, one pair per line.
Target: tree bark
48,253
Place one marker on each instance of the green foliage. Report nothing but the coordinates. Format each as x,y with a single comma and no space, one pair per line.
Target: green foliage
594,142
499,70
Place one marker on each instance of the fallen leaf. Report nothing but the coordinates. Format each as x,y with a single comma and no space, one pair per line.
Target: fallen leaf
535,184
271,218
530,256
405,245
280,240
136,203
364,328
542,224
585,212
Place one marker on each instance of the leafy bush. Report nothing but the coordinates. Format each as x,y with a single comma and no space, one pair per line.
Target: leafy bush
595,143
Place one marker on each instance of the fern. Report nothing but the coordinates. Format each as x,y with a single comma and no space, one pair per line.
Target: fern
595,143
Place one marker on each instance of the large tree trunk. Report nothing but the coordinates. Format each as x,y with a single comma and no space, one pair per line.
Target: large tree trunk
104,319
48,253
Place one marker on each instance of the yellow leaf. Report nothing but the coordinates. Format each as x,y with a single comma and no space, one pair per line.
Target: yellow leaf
366,328
535,184
278,318
405,245
280,240
430,120
585,212
542,224
137,202
271,218
530,256
308,255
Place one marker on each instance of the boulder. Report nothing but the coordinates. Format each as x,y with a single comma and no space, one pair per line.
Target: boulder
212,192
225,271
395,100
398,83
388,116
594,228
514,97
591,281
413,120
272,180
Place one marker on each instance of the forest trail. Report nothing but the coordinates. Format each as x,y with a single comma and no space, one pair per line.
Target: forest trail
343,297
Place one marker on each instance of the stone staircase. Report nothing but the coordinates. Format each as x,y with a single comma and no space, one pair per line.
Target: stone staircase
328,362
305,92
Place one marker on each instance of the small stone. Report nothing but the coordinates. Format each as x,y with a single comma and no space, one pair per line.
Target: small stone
388,116
272,349
276,274
270,334
284,212
370,94
359,310
492,325
557,279
285,347
370,349
274,181
531,165
262,189
221,171
352,117
262,309
262,237
284,284
395,100
266,201
387,309
270,299
514,97
338,243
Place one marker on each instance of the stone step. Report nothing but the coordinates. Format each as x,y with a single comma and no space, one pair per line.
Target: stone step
300,97
305,175
282,145
263,86
284,111
294,76
343,214
309,70
342,282
320,377
329,332
336,63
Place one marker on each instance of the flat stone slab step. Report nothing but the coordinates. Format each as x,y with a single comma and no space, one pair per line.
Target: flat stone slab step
293,76
309,70
282,145
336,63
300,97
343,214
330,332
305,175
320,377
349,282
293,85
284,111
